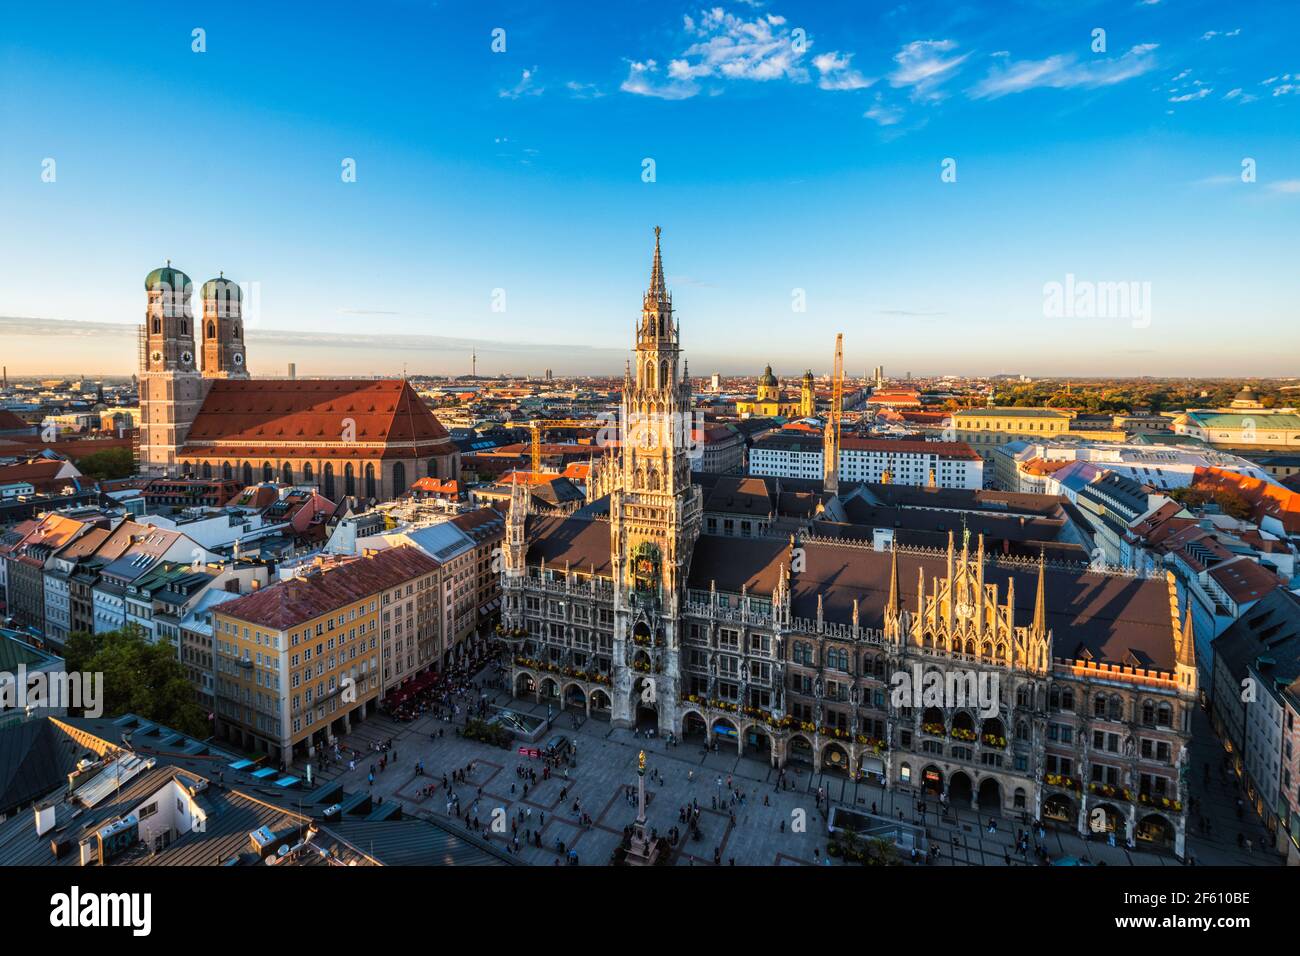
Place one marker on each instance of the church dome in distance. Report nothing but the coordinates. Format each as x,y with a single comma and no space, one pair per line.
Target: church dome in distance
167,279
1247,394
221,287
768,378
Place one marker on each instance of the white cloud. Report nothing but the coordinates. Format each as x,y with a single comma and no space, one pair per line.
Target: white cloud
883,113
643,79
837,72
583,91
1289,186
1211,34
923,66
723,46
525,87
1064,71
1197,94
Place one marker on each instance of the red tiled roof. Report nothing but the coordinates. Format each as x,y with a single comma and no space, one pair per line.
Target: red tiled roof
1266,498
437,486
289,603
1244,580
9,422
35,472
258,418
1043,466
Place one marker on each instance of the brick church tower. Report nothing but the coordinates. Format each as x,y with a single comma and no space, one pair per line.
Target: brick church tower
223,330
171,389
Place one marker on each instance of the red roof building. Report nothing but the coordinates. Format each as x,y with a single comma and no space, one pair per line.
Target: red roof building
1267,500
366,438
289,603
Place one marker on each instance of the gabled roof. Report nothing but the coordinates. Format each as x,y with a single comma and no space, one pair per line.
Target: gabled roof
289,603
1111,617
257,416
36,756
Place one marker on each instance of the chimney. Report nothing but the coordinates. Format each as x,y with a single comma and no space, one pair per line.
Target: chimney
44,819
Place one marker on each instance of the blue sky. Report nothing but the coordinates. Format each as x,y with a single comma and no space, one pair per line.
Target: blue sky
796,146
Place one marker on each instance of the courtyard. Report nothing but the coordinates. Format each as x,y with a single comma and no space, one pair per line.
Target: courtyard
769,825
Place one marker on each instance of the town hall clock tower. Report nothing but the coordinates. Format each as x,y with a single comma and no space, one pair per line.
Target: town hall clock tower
655,515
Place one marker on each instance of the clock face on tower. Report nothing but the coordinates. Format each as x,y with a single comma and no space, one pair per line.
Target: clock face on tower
237,358
186,358
156,358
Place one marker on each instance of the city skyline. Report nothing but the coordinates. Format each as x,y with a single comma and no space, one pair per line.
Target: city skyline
521,185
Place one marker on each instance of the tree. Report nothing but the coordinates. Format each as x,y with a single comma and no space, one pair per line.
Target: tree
110,463
139,678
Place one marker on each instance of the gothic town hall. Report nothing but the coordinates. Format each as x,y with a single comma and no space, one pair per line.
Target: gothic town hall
788,647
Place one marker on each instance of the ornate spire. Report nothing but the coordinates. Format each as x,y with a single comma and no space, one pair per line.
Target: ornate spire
1040,600
657,288
1187,649
892,606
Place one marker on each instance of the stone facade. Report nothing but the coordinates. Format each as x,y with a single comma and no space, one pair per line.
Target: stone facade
1071,702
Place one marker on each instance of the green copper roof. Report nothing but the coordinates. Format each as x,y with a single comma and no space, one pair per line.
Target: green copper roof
220,286
167,279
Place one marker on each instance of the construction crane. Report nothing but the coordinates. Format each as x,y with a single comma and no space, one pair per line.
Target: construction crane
537,424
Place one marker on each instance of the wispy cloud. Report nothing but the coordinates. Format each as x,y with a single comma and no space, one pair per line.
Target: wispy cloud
583,91
883,113
527,86
837,73
1065,71
923,66
1211,34
1288,186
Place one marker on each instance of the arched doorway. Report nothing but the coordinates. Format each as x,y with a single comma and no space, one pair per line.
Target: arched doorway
1058,808
799,751
990,796
932,780
758,743
693,726
724,732
960,790
550,688
575,699
1156,831
1104,818
645,703
525,685
600,704
835,759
